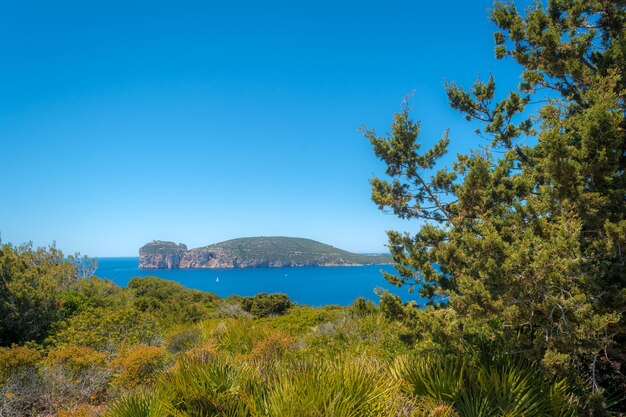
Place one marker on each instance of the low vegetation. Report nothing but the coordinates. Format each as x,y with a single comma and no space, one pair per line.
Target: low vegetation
159,349
291,249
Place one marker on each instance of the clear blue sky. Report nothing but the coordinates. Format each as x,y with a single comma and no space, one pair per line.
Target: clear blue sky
127,121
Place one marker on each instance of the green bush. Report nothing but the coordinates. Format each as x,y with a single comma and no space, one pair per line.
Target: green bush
140,404
16,359
301,319
97,292
238,336
172,302
107,329
31,283
182,340
206,388
311,388
264,305
363,307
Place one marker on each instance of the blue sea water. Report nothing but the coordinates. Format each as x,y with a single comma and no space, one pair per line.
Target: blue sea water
313,286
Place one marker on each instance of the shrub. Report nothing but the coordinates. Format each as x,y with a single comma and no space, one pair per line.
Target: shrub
21,393
16,359
72,302
301,319
30,287
107,329
136,405
68,376
212,388
76,358
238,336
493,388
139,365
232,310
373,335
101,292
183,340
363,307
75,375
202,354
172,302
310,387
264,305
273,347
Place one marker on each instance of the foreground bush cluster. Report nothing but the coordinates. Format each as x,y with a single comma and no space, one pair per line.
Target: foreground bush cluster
159,349
328,361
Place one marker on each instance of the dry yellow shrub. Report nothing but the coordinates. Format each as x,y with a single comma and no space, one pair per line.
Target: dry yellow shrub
274,346
139,365
202,353
76,358
16,358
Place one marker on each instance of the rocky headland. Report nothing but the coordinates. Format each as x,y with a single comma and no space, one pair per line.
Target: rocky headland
252,252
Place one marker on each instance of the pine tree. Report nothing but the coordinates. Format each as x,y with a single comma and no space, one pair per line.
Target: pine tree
525,239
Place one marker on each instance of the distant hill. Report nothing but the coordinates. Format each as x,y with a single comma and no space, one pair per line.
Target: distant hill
252,252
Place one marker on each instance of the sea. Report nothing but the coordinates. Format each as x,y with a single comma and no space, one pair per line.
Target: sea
314,286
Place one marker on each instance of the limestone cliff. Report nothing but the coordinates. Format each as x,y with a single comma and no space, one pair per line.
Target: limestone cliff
161,255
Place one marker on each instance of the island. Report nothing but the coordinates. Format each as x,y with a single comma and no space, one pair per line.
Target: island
252,252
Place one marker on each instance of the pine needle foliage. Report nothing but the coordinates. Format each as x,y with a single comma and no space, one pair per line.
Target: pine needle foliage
524,236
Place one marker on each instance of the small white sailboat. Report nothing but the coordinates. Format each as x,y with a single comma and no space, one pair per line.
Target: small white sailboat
217,279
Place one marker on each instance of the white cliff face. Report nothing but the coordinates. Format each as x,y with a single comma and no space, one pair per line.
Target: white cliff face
206,259
161,255
158,261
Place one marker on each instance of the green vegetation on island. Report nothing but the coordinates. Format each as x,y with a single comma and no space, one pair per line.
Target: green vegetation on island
160,247
294,249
